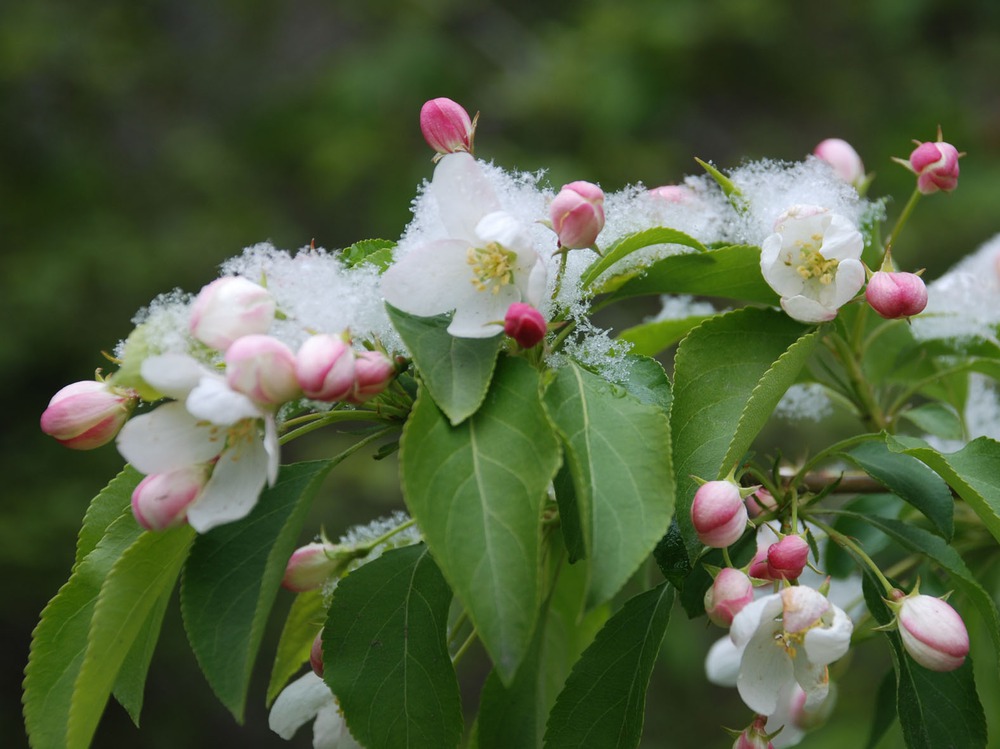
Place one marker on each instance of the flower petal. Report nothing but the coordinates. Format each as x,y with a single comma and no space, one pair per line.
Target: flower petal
752,617
804,309
174,375
298,703
463,194
329,731
167,439
232,491
850,278
842,241
273,449
722,664
814,678
430,279
825,644
213,400
764,670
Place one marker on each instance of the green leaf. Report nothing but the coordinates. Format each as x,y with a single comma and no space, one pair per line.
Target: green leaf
385,655
130,684
618,452
60,640
936,418
476,491
908,478
731,191
729,373
375,252
729,272
604,700
632,242
233,575
114,500
456,371
885,710
651,338
131,593
971,472
305,620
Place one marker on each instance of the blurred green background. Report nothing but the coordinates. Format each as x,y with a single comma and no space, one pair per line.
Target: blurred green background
144,142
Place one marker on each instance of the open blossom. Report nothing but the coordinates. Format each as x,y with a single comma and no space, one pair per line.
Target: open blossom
305,699
813,261
486,263
208,425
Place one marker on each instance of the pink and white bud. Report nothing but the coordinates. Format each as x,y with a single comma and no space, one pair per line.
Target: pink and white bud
896,294
718,513
843,158
673,194
754,736
933,632
262,368
577,214
310,566
731,591
524,324
373,371
325,368
936,166
87,414
759,502
758,568
787,558
161,500
316,655
446,126
230,308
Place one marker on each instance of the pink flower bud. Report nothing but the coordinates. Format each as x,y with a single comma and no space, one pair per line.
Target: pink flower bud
673,194
524,324
313,564
230,308
161,500
731,591
373,371
787,558
760,501
933,632
316,655
86,414
758,568
896,294
754,736
577,214
262,368
446,126
843,158
718,513
325,368
936,166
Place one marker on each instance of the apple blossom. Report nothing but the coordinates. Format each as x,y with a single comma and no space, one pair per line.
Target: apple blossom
373,371
262,368
577,214
718,513
324,367
813,261
487,263
730,592
161,500
936,166
932,631
313,564
230,308
896,294
87,414
305,699
845,161
446,126
524,324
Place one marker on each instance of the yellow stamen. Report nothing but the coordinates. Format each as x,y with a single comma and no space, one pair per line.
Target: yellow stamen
813,265
492,267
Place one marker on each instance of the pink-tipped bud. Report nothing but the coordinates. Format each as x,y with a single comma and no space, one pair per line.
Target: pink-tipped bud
760,501
524,324
718,513
933,632
161,500
936,166
896,294
373,371
787,558
754,736
262,368
86,414
731,591
230,308
446,126
758,568
316,655
577,214
325,368
310,566
673,194
843,158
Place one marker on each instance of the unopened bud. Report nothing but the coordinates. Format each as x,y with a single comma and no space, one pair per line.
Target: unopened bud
373,371
230,308
316,655
718,513
787,558
577,214
446,126
673,194
524,324
754,736
731,591
161,500
933,633
310,566
325,368
896,294
936,166
86,414
262,368
843,158
760,501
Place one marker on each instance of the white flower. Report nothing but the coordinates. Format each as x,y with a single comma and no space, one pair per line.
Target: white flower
208,422
486,263
813,260
306,698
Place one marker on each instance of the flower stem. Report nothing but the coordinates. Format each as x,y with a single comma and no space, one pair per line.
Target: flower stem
388,534
903,217
330,417
464,647
841,540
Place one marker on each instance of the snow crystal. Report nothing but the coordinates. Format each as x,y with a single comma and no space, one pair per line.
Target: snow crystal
682,306
804,402
165,322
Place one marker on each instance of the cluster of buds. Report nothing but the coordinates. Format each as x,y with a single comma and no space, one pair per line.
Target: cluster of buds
783,560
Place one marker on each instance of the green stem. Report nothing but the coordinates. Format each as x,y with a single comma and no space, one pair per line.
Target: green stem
563,252
841,540
828,452
457,626
871,412
903,217
465,646
387,535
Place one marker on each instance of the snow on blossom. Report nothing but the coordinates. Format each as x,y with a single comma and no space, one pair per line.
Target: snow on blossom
305,699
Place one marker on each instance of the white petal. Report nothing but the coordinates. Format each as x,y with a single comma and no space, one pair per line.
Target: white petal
777,269
329,731
273,449
463,194
842,241
167,439
722,664
814,678
790,734
534,291
213,400
824,645
505,230
764,671
753,616
297,704
430,279
849,280
174,375
482,316
232,491
804,309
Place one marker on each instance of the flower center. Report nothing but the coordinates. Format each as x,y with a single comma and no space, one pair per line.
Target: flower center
812,264
492,266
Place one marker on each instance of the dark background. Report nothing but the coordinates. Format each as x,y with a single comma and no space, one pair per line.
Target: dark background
144,142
